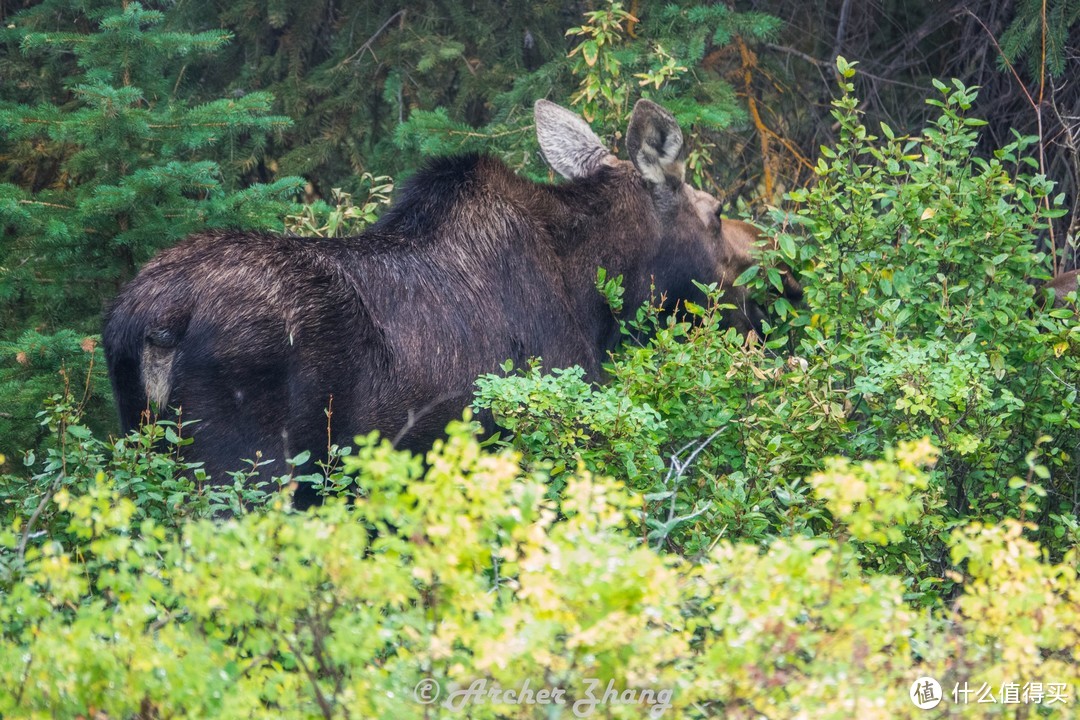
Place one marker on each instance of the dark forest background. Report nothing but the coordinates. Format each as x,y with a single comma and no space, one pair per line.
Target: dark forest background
125,126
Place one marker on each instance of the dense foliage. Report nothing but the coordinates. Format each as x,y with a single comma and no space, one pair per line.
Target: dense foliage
918,322
470,576
883,488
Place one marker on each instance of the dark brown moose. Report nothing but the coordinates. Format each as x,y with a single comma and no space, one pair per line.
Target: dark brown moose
1062,285
255,335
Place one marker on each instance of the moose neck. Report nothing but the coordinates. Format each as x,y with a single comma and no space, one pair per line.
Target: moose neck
603,221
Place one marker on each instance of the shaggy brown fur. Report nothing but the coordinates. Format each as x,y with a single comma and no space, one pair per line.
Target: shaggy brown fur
253,334
1062,285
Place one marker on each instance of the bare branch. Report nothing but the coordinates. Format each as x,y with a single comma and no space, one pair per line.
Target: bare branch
367,44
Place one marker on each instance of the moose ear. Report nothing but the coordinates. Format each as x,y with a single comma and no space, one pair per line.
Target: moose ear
655,143
567,142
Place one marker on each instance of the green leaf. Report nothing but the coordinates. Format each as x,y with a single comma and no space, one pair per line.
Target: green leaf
590,51
775,280
747,275
787,246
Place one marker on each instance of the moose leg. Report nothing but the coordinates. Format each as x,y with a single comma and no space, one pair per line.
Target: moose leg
234,416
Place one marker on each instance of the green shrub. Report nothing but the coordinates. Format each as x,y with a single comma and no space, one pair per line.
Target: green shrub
469,577
563,411
920,320
146,468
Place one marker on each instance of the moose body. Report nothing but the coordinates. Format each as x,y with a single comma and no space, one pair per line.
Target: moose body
1062,285
278,344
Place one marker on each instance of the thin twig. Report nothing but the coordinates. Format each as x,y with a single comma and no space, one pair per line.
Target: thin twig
683,467
89,384
25,678
46,204
416,415
161,126
1042,143
1072,388
37,513
370,40
799,54
828,65
841,28
256,661
466,133
324,704
748,61
1037,107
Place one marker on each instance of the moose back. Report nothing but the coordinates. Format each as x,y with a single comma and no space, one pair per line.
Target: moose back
255,335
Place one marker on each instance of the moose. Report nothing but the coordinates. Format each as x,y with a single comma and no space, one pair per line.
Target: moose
1062,285
272,341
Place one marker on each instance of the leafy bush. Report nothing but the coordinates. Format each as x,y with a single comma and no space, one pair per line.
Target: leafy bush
33,367
145,468
340,217
469,575
563,411
921,320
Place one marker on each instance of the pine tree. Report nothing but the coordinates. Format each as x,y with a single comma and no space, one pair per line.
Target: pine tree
621,52
102,163
1039,35
377,86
